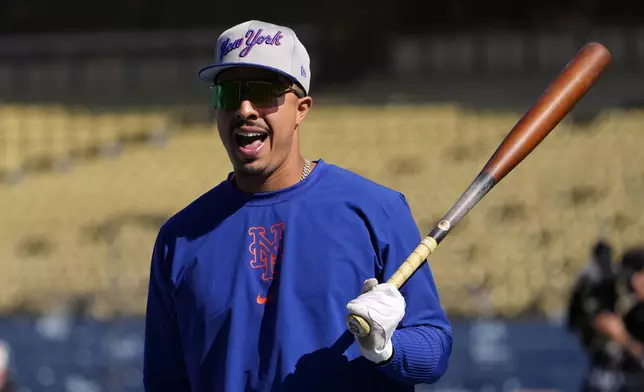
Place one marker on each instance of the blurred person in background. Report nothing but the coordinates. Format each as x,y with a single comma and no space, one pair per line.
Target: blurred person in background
606,312
598,271
6,382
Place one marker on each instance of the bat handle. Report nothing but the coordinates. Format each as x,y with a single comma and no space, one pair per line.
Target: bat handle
357,325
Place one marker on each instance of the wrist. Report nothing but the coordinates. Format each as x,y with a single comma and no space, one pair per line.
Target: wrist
391,356
379,357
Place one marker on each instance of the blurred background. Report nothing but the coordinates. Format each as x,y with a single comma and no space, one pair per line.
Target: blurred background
105,131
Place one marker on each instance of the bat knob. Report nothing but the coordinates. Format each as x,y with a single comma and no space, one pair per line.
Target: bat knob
358,326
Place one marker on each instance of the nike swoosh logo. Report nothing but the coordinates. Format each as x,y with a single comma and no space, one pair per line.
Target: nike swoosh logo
261,300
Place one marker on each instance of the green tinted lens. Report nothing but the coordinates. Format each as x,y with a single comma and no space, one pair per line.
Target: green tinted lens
225,95
229,95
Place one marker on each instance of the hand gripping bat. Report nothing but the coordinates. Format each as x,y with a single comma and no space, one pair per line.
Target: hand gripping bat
563,93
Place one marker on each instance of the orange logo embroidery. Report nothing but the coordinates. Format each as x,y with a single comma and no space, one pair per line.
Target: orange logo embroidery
266,249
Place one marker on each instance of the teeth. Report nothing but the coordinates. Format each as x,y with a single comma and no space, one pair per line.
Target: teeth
249,134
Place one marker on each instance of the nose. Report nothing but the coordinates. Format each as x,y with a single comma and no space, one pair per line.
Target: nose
247,110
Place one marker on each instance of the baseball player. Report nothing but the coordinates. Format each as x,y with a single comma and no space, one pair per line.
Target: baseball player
251,283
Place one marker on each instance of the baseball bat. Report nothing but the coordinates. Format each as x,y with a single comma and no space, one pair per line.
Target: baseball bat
561,95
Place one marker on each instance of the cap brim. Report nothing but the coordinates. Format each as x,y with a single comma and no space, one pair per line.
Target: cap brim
209,73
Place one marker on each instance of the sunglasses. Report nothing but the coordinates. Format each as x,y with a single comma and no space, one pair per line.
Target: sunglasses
229,95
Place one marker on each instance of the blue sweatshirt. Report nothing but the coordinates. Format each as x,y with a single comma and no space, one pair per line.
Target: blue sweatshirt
249,292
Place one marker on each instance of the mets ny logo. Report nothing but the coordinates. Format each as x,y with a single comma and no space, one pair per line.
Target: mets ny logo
265,249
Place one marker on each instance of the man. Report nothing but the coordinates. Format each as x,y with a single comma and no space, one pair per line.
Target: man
251,283
607,311
598,272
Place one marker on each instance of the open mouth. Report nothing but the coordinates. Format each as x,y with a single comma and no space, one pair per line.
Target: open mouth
250,142
245,139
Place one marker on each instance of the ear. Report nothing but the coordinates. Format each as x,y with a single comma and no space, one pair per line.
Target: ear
303,107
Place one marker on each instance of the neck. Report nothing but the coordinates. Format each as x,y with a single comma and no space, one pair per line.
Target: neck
286,175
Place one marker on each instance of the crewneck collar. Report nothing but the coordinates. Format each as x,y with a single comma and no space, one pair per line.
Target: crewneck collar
280,195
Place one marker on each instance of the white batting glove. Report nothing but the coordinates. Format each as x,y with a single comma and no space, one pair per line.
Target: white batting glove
383,307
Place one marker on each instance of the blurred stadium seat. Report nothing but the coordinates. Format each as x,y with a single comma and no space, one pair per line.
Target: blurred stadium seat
44,137
89,231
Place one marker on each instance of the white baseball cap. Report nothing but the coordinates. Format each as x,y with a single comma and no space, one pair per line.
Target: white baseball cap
263,45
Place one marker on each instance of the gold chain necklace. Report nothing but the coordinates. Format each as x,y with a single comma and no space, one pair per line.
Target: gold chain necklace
306,170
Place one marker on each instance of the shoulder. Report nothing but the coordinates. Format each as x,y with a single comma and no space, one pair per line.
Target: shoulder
363,191
604,287
185,231
200,216
600,296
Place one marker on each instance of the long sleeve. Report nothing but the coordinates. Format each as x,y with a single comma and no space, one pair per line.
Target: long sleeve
423,341
163,364
421,354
